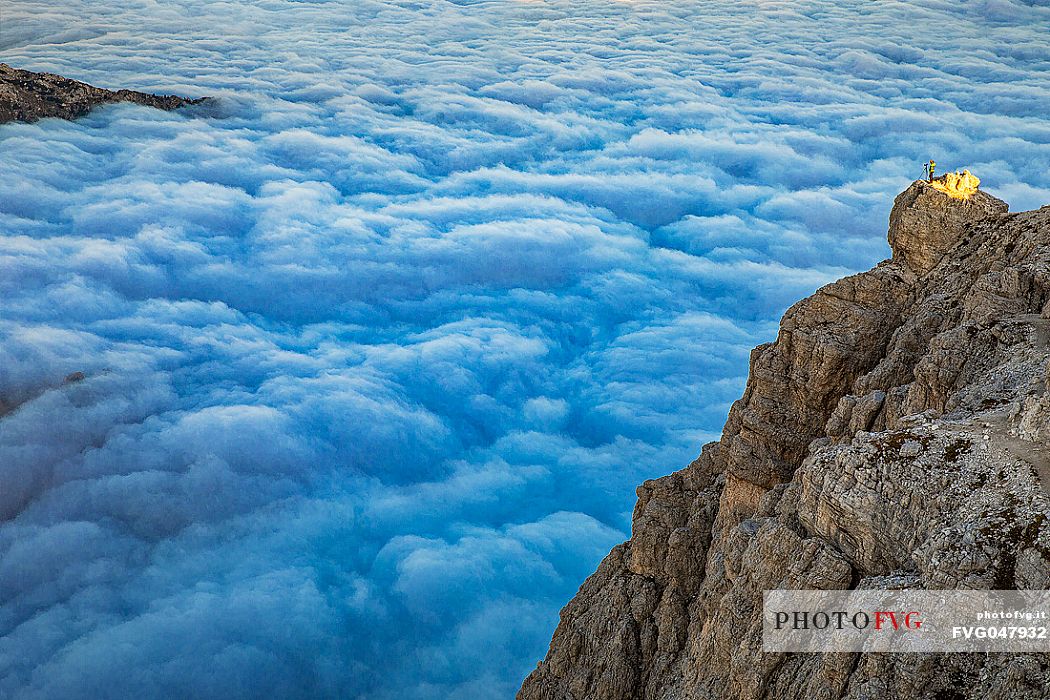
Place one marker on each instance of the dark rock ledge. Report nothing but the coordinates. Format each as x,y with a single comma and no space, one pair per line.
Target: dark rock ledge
26,97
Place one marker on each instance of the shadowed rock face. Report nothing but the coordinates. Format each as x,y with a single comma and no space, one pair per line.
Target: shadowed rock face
926,223
26,96
894,435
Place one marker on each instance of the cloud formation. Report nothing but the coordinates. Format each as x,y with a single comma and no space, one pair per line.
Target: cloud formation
377,346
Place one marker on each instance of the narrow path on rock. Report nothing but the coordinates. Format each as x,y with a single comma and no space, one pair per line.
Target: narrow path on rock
996,424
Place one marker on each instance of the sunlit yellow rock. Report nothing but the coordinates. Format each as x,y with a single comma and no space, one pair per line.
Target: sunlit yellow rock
957,185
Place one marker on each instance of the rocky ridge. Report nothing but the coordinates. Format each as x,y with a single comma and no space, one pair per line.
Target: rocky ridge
893,436
27,97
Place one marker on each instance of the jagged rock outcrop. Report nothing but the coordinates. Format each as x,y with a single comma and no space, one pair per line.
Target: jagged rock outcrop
894,435
925,224
27,97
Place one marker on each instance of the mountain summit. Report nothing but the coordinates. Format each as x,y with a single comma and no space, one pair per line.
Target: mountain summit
926,223
895,435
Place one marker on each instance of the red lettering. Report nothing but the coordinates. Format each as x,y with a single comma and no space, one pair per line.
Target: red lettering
880,615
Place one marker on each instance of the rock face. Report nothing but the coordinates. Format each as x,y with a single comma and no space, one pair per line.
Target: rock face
894,435
925,224
27,96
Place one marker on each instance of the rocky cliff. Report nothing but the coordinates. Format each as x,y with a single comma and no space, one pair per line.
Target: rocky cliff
896,434
27,96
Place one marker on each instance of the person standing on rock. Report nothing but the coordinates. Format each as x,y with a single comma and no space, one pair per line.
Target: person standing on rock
928,169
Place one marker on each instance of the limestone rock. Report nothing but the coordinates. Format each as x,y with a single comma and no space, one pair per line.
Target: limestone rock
926,223
825,343
893,436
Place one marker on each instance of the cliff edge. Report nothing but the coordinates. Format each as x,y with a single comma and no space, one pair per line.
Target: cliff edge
895,435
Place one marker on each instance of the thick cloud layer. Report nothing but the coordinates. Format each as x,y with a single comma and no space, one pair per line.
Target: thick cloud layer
377,346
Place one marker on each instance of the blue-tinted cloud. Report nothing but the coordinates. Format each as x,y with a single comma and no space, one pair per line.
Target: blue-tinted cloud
377,345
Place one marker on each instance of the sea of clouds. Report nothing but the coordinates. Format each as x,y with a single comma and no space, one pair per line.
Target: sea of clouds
378,344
